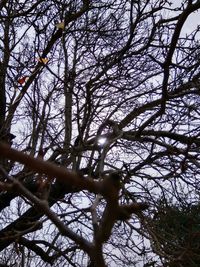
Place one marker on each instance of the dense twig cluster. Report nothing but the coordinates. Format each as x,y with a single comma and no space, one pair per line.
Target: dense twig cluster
99,119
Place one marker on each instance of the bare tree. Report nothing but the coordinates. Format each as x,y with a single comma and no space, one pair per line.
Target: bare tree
98,122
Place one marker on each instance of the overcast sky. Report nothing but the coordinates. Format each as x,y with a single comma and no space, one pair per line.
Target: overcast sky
192,21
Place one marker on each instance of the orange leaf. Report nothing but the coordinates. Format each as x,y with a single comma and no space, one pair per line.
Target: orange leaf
43,60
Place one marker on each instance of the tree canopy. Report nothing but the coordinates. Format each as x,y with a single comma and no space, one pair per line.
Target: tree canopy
99,131
177,230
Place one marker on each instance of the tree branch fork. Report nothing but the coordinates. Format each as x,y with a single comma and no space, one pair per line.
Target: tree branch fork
106,188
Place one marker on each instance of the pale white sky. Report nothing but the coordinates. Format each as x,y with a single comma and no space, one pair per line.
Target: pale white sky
192,21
